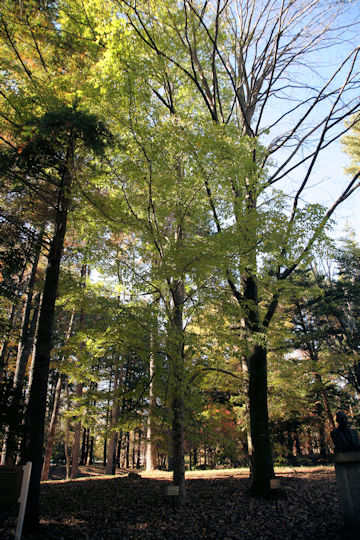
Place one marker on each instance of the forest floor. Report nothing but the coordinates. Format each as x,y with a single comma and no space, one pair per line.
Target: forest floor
217,507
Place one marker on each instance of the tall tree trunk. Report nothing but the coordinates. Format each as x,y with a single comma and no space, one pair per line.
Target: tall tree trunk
114,418
55,412
107,425
37,399
67,432
138,449
105,452
177,404
5,344
297,444
83,447
127,451
118,452
263,470
150,442
26,337
75,455
14,429
133,446
90,459
52,428
250,450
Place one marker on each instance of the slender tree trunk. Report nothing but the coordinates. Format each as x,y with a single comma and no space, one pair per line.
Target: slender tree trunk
322,442
27,332
4,353
13,435
150,442
75,457
127,451
55,413
133,448
83,447
297,444
195,457
309,442
52,428
67,433
90,460
118,451
290,444
114,418
107,425
77,436
325,400
37,399
104,451
5,344
250,450
87,446
138,449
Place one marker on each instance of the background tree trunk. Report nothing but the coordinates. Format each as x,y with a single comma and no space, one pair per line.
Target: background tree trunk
114,418
52,428
75,455
151,452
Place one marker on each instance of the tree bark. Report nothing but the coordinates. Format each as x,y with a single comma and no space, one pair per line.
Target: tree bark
263,470
5,344
36,411
177,404
52,428
13,434
83,447
150,442
250,450
127,450
119,446
138,449
27,333
114,418
90,460
55,412
75,455
12,314
67,433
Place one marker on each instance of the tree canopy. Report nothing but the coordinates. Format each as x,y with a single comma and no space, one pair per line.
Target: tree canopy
161,253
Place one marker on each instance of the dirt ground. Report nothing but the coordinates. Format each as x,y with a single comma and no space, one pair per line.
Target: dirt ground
217,507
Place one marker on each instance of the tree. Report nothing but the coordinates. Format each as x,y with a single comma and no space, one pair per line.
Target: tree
237,59
50,156
334,311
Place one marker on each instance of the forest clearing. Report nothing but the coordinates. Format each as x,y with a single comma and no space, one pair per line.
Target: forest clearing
218,507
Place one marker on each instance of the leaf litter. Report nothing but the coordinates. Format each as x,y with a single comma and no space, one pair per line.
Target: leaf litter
217,507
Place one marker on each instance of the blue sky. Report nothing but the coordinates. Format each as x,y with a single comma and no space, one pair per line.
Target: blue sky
329,179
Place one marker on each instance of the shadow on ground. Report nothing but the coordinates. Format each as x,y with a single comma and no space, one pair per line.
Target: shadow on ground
124,508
